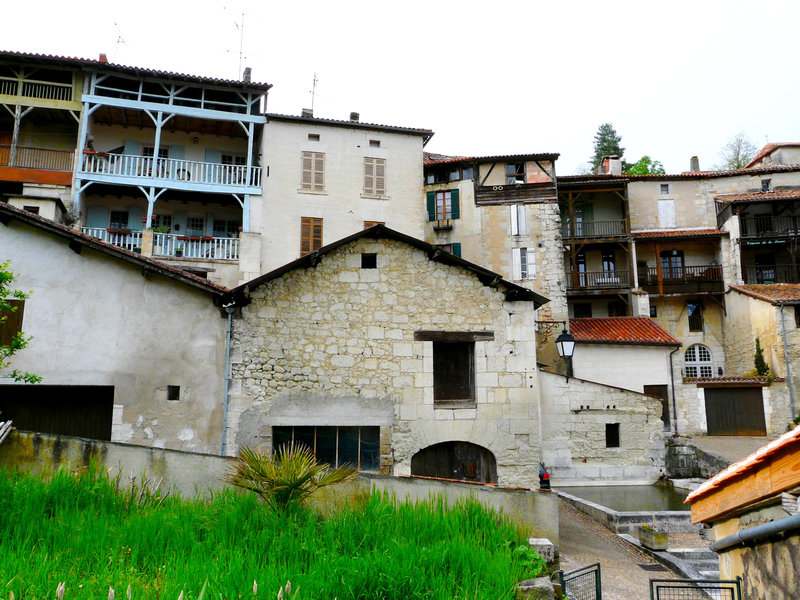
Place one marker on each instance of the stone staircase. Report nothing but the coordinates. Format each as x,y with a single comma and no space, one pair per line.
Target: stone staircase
702,560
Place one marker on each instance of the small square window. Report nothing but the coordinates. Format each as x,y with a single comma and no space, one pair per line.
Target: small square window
653,311
612,435
313,137
665,188
173,393
765,185
369,260
374,143
453,372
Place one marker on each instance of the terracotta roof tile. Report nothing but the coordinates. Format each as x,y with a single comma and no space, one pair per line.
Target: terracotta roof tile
711,381
790,439
427,134
671,233
686,175
776,293
759,196
769,149
620,330
441,159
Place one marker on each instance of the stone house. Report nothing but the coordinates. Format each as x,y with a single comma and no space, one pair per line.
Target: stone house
752,508
130,349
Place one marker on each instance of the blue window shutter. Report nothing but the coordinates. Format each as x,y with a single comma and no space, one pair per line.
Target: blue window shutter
97,216
431,206
132,147
213,156
457,249
135,217
177,152
455,207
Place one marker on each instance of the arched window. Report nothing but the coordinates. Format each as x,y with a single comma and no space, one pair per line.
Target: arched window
697,361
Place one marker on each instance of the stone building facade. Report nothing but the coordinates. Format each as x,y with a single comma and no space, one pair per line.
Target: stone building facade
355,341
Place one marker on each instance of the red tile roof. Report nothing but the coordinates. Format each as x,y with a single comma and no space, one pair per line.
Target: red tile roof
426,134
430,158
620,330
775,293
686,175
759,196
722,381
684,233
789,440
769,149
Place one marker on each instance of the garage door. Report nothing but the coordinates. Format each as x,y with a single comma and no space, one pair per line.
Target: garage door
81,411
735,411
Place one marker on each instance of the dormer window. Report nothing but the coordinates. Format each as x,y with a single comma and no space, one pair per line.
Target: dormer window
515,173
765,185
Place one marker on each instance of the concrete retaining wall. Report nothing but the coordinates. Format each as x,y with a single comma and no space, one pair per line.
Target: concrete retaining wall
536,512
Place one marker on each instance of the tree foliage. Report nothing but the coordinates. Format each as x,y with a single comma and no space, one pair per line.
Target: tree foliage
736,154
19,341
645,166
762,368
606,143
287,478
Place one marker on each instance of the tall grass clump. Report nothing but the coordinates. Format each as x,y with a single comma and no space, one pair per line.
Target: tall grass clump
79,529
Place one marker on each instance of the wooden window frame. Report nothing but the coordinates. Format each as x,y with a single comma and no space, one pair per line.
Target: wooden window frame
336,443
11,325
310,235
444,205
515,173
312,176
696,366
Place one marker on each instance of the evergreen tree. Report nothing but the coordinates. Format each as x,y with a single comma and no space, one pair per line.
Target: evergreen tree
606,143
761,365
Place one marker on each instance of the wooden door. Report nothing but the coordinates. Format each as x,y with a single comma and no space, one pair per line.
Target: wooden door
735,411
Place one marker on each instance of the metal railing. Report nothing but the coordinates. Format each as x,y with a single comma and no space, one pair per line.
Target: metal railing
582,584
683,274
587,229
597,279
696,589
171,169
37,158
769,226
118,237
168,244
30,88
770,274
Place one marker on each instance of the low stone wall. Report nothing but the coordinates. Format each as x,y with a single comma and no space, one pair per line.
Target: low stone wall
685,460
536,512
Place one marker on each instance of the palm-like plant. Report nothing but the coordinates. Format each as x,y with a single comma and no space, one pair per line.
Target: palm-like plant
288,477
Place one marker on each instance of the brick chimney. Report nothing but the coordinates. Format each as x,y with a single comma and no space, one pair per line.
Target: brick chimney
248,74
611,165
354,117
694,164
103,58
307,113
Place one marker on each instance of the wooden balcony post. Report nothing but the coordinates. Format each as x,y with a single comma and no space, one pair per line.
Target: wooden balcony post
659,273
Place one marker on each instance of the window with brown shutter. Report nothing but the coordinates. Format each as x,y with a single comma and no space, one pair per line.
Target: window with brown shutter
374,176
310,235
11,321
313,171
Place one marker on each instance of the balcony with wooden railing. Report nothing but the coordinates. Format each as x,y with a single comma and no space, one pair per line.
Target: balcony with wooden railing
768,226
21,90
170,244
682,280
595,229
130,169
766,274
36,165
597,280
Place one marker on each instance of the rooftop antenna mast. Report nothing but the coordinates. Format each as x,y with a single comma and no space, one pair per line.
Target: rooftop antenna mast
313,91
241,43
120,40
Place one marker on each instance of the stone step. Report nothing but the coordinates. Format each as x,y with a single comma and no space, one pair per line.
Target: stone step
704,565
709,574
693,553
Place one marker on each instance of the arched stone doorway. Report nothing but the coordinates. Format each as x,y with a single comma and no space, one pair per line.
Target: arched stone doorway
456,460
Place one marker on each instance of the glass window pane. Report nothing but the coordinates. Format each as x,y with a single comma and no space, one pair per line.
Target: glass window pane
326,445
304,436
348,446
466,173
281,436
370,448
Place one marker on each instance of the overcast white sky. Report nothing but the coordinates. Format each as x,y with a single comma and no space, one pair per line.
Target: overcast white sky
675,78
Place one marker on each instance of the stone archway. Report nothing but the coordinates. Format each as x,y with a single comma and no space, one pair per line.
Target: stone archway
456,460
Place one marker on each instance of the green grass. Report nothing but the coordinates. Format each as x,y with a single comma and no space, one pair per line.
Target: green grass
80,530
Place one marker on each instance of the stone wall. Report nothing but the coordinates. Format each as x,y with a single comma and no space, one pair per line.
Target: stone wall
343,336
575,415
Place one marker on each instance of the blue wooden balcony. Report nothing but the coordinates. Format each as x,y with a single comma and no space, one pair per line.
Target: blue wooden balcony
188,175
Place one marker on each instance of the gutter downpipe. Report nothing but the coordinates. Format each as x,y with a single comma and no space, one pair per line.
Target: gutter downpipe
786,361
229,310
674,402
754,534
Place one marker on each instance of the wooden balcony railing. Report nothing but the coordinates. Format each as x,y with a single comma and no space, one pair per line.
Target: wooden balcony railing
38,158
770,274
591,229
170,169
598,280
678,280
29,88
769,226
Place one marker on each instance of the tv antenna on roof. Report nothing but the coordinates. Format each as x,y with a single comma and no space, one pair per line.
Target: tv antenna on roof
241,43
313,91
120,40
